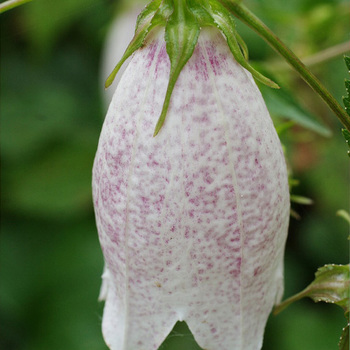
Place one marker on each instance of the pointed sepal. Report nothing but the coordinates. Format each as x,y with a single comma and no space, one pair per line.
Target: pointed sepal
225,22
145,22
181,36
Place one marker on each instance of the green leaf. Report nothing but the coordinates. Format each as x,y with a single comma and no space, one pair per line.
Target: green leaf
145,22
331,285
181,36
282,104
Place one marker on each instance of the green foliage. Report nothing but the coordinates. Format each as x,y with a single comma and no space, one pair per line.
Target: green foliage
282,104
47,20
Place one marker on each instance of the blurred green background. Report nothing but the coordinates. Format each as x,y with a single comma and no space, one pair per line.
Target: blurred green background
51,115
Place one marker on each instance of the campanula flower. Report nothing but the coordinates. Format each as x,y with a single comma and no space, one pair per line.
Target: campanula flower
192,222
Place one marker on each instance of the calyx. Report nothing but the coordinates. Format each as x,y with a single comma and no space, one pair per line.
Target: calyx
183,20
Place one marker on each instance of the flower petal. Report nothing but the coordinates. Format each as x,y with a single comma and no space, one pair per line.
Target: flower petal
192,222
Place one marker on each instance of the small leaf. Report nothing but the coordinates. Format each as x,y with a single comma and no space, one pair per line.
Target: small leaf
143,25
331,285
181,36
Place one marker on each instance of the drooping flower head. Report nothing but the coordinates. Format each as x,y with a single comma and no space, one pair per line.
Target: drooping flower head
192,222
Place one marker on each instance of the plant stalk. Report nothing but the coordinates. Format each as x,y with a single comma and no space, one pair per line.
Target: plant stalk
242,13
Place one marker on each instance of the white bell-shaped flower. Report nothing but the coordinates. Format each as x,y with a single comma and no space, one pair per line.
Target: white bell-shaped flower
192,222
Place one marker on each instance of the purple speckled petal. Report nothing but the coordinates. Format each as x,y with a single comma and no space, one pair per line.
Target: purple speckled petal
193,222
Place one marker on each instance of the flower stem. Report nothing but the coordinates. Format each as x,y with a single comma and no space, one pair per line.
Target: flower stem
280,307
10,4
241,12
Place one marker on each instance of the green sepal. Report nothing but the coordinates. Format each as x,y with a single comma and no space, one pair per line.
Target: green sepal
145,22
225,22
164,11
181,36
331,285
203,17
243,46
